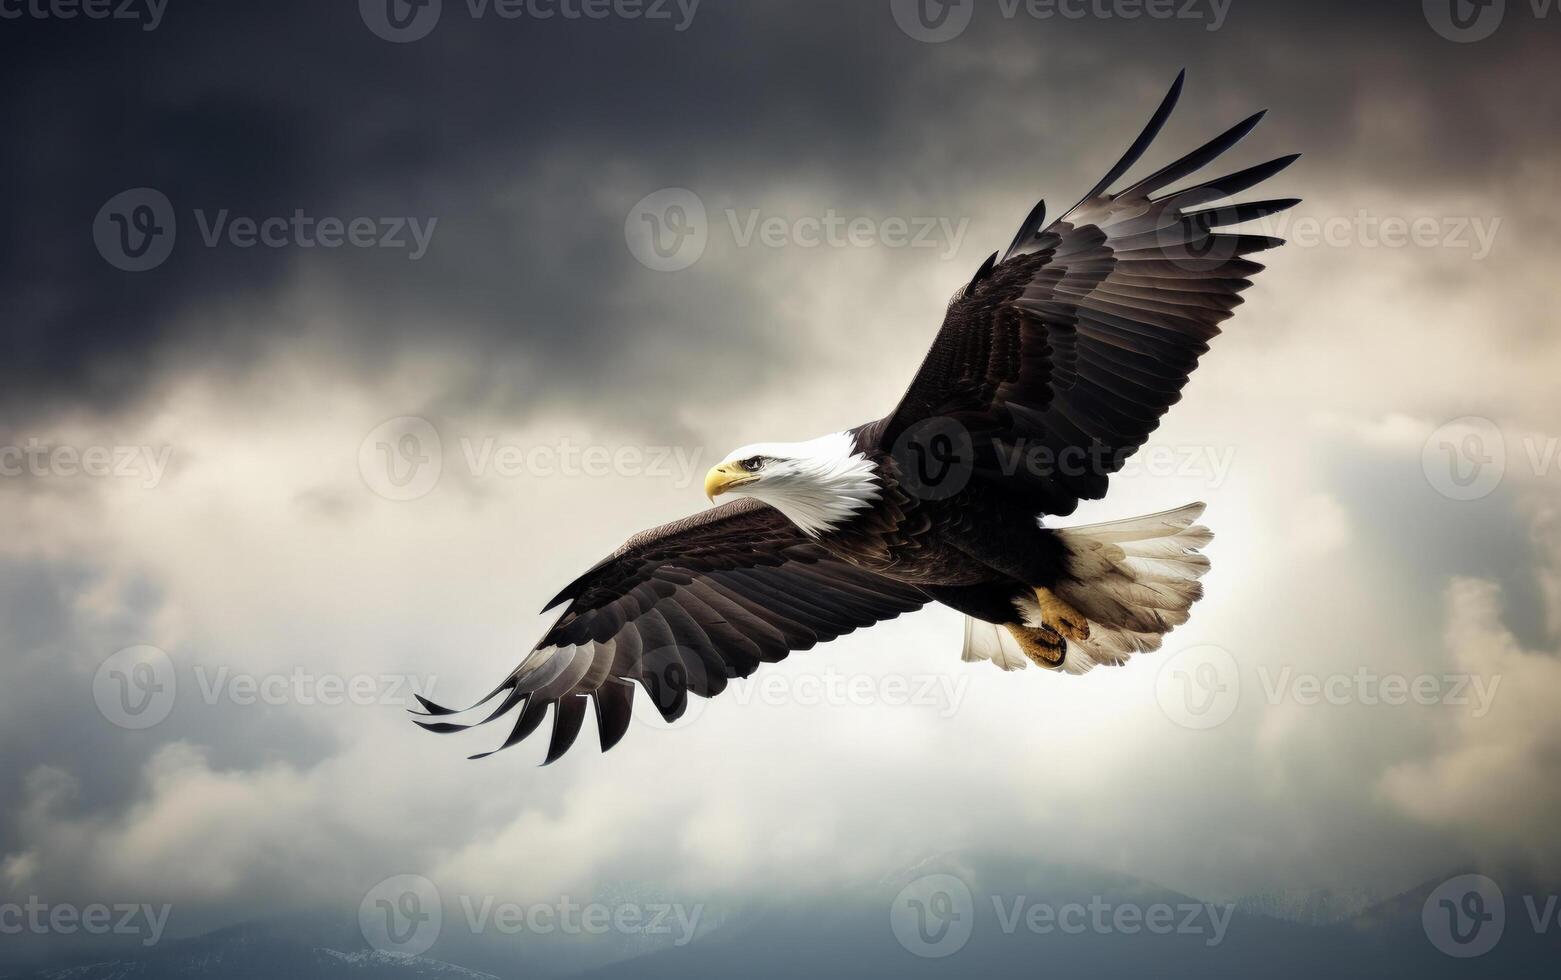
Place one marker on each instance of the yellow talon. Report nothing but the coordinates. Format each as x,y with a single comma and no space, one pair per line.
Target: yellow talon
1060,617
1042,646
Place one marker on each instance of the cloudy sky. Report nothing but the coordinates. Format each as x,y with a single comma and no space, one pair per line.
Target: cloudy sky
239,238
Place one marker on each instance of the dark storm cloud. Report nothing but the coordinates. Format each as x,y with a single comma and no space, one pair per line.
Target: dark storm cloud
279,108
528,141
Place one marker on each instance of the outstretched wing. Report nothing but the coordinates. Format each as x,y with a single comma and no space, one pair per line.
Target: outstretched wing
682,609
1061,359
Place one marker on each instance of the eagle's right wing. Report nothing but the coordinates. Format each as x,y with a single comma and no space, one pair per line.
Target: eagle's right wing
682,608
1060,359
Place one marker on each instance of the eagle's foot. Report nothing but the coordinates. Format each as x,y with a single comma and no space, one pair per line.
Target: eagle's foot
1041,645
1060,617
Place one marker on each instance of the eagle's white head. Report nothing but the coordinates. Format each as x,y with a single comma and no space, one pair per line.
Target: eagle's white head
817,484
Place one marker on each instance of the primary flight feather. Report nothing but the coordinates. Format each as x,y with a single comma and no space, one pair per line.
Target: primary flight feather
1053,365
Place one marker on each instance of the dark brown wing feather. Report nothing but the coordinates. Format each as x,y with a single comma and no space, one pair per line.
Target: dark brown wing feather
682,609
1062,358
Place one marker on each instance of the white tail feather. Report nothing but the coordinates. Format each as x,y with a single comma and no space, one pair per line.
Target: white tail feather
1134,580
988,641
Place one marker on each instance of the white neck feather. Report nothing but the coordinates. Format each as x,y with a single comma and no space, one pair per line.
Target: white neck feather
817,484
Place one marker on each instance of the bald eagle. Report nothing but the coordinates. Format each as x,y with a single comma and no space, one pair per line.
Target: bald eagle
1053,365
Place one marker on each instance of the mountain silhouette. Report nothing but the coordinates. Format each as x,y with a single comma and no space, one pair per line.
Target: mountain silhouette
976,915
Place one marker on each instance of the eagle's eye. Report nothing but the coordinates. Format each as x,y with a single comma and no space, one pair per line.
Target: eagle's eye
752,463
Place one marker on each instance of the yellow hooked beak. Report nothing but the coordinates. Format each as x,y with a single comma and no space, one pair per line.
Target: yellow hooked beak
722,478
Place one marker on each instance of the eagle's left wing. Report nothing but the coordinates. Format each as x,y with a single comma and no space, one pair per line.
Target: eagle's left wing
681,609
1060,359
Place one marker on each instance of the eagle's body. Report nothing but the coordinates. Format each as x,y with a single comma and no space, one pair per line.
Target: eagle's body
1052,366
